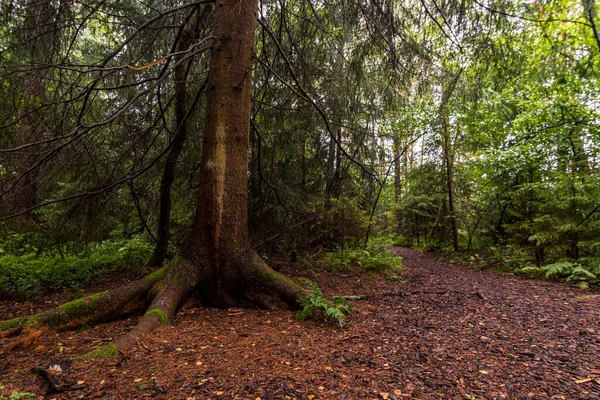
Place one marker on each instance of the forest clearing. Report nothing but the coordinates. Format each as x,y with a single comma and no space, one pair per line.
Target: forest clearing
431,337
215,199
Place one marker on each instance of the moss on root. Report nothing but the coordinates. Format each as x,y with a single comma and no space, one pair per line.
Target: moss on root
16,323
163,319
264,273
157,275
10,324
107,351
77,308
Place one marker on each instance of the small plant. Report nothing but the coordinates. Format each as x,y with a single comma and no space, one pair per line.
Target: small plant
315,302
395,278
18,395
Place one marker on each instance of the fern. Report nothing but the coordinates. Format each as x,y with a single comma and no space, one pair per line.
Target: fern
568,270
316,302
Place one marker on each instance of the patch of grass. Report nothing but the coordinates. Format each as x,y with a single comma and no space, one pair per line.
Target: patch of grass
315,304
18,395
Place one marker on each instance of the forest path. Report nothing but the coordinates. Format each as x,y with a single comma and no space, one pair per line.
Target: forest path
448,332
497,335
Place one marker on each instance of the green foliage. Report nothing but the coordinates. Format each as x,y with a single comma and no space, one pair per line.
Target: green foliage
315,302
341,222
17,395
371,258
567,270
30,275
106,351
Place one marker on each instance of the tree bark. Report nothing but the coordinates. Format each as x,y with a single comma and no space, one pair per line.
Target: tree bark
398,173
219,246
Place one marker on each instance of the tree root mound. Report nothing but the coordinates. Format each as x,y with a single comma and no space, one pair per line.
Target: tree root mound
161,294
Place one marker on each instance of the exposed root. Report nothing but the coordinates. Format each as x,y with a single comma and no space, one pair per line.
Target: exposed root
270,289
176,286
254,283
96,308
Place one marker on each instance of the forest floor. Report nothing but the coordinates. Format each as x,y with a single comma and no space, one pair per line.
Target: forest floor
448,332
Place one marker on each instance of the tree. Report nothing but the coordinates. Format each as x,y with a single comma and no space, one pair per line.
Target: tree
217,262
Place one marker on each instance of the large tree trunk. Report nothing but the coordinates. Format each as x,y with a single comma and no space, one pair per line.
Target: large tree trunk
218,262
219,245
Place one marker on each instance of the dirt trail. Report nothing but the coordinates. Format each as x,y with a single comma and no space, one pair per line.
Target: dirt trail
449,332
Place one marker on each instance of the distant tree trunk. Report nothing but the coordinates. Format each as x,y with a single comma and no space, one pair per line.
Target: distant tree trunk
590,11
178,140
398,173
335,161
449,181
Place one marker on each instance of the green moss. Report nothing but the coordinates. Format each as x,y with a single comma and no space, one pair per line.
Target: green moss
14,323
160,314
10,324
32,322
265,273
108,351
77,308
157,275
262,275
180,279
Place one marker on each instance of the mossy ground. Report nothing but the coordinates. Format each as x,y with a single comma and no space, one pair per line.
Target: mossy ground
107,351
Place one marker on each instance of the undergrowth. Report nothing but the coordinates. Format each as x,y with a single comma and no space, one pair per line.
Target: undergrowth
567,270
17,395
371,258
30,275
315,304
584,272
